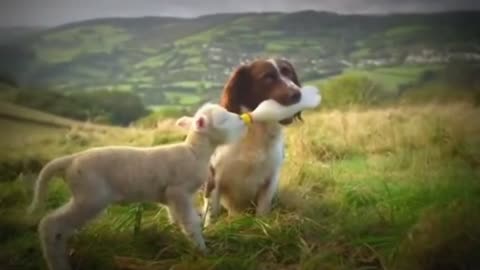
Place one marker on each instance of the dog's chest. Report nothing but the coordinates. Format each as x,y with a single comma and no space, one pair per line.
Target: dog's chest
259,152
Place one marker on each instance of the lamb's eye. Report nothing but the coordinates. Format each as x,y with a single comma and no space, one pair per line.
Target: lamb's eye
220,121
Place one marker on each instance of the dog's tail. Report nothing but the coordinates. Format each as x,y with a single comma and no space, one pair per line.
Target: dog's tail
41,184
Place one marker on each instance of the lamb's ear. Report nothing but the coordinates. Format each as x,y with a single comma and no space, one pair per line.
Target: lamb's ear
201,123
184,122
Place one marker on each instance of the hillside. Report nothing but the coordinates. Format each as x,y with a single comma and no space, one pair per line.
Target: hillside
31,137
23,114
172,61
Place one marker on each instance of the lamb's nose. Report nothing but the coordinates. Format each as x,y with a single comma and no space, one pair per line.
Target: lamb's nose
296,96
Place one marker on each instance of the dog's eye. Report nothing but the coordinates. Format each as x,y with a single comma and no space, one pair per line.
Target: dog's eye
270,77
286,71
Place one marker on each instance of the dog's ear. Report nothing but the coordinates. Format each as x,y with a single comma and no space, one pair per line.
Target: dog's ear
236,89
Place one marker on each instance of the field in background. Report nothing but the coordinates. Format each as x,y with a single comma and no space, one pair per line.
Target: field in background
174,61
391,188
390,77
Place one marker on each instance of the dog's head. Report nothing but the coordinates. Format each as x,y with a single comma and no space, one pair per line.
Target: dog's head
263,79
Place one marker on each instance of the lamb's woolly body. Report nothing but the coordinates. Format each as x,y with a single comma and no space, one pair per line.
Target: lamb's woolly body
167,174
136,173
133,173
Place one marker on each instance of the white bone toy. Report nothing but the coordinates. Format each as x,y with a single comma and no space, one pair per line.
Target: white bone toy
270,110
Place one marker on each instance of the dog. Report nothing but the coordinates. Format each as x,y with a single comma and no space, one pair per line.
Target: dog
245,175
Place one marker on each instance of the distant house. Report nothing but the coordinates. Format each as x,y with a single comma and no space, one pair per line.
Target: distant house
433,57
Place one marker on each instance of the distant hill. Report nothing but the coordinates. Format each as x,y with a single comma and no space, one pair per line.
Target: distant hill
15,33
175,61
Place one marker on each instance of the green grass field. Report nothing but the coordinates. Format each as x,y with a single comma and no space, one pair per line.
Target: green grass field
182,98
385,188
82,38
390,78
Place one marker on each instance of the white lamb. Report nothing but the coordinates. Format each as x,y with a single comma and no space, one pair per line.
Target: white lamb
168,174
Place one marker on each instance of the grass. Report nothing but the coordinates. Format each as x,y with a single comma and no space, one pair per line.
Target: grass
200,38
56,47
31,138
361,53
442,92
9,110
152,62
161,115
390,78
187,84
378,188
25,114
182,98
405,31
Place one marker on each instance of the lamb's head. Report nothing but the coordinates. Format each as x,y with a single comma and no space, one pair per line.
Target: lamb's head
214,121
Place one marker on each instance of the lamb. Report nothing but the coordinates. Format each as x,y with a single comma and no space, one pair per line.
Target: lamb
168,174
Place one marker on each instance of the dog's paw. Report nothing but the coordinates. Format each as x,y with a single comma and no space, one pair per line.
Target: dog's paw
204,251
209,220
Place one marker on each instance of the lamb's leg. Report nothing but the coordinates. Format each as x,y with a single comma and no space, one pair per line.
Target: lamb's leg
57,227
181,206
265,195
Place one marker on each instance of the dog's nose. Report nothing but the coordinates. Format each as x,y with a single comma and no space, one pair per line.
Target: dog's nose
295,96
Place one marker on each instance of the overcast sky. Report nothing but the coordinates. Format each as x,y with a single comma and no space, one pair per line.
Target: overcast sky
55,12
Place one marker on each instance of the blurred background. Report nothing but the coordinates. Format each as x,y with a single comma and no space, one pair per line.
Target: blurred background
168,63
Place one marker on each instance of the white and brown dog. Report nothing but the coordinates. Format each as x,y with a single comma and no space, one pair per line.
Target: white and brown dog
246,174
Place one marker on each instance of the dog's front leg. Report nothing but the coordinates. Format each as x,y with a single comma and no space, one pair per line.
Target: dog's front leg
266,193
212,206
211,199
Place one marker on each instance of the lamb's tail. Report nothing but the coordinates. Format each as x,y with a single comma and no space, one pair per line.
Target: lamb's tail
41,184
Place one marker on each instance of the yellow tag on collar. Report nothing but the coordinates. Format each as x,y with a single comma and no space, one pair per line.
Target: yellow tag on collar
247,118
